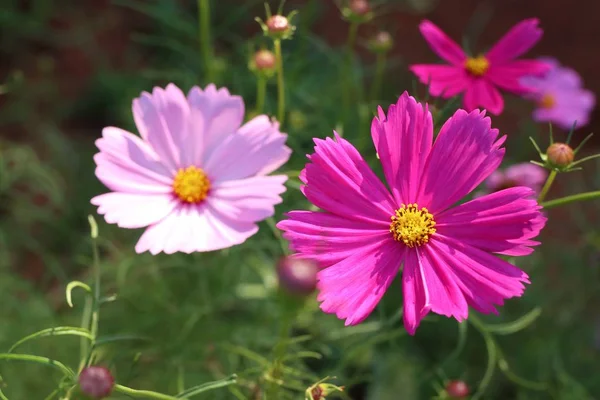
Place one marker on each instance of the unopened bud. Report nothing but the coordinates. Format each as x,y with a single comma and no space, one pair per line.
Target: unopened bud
560,154
96,382
297,275
278,24
320,390
457,389
359,7
382,42
264,60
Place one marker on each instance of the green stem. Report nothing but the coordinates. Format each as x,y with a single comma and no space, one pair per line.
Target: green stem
205,42
143,394
571,199
279,352
261,89
40,360
96,303
379,70
280,82
85,324
492,356
547,185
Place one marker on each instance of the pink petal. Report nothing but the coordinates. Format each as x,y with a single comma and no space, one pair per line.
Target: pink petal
403,141
353,287
484,279
517,41
502,222
464,154
127,164
248,200
216,114
327,238
255,150
510,76
527,174
132,210
443,80
339,180
194,228
441,44
162,119
482,93
415,292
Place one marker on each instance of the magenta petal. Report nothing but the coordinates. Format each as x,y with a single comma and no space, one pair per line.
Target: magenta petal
327,238
517,41
403,141
484,279
353,287
126,164
443,80
133,210
482,94
337,179
510,76
441,44
502,222
415,292
464,154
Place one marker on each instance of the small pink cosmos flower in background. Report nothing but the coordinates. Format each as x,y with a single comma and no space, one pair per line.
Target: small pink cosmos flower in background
480,77
560,96
522,174
197,178
366,231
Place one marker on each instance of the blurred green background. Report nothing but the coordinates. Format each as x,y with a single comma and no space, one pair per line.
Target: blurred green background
71,68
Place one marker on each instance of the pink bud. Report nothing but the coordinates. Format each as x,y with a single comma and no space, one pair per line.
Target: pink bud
96,382
560,154
359,7
457,389
297,276
264,60
278,24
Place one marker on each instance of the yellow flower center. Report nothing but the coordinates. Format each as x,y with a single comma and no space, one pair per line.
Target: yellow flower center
412,225
477,66
547,101
191,184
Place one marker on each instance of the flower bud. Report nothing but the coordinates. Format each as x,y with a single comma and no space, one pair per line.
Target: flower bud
382,42
457,389
560,154
297,276
278,24
264,60
359,7
96,382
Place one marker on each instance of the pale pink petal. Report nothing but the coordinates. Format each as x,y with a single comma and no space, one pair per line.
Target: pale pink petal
337,179
527,174
403,141
327,238
127,164
133,210
502,222
443,80
254,150
464,154
353,287
194,228
510,76
516,42
441,44
162,118
248,200
482,94
215,114
416,300
484,279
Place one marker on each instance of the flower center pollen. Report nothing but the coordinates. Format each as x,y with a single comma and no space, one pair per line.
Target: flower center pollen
547,101
477,66
412,225
191,184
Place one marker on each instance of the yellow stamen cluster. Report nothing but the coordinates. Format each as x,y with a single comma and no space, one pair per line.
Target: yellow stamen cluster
412,225
477,66
547,101
191,184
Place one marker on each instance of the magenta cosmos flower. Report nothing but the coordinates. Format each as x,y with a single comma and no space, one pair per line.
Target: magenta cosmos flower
197,177
522,174
480,77
560,96
365,233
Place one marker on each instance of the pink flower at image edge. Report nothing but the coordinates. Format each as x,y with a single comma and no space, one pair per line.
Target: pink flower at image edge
480,77
197,179
522,174
365,232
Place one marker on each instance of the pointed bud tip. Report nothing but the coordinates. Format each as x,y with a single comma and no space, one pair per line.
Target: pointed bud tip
96,382
560,154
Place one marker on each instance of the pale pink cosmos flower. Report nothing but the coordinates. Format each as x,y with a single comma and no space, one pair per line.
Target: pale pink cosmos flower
480,77
367,231
522,174
197,178
560,96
